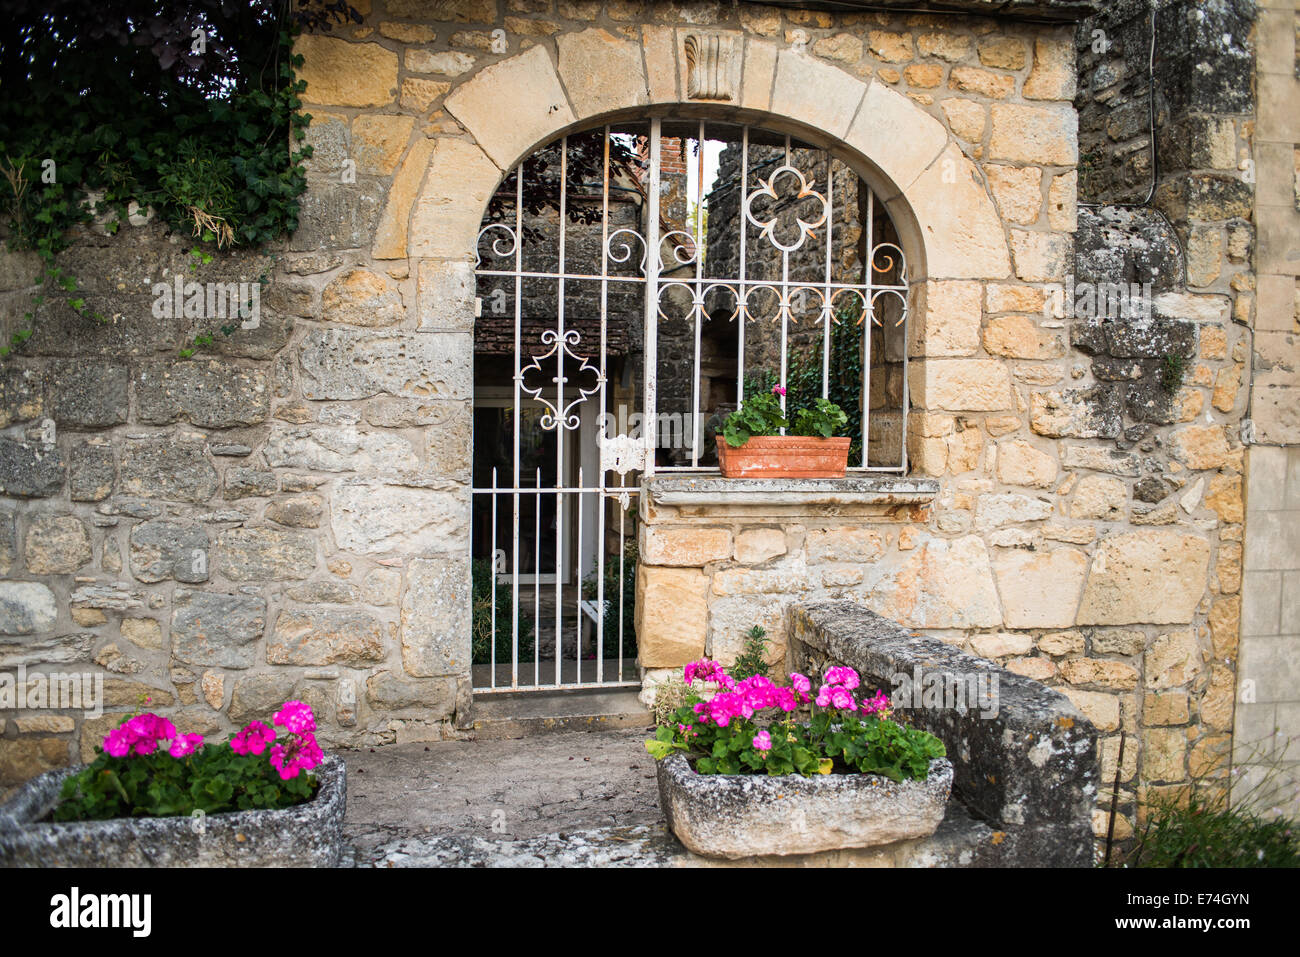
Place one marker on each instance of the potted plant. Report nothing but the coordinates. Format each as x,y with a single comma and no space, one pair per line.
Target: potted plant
752,445
749,768
153,797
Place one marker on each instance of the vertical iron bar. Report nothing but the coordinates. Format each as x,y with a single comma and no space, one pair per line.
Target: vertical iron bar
561,424
577,577
741,311
697,300
517,414
649,417
492,565
600,425
827,311
868,311
537,580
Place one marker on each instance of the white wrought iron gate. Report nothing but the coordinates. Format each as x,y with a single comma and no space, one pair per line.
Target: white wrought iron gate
620,294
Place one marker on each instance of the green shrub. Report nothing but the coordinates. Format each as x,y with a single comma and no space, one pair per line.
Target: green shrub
1205,833
481,602
619,609
752,660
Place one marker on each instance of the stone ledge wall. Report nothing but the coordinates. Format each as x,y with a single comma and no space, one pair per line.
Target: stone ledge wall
1028,769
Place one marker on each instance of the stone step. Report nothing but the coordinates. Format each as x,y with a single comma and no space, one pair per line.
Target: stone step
517,715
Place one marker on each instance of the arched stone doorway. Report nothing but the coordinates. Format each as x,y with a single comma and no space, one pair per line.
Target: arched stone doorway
947,223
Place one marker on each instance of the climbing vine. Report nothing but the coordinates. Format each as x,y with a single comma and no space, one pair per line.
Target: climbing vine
189,107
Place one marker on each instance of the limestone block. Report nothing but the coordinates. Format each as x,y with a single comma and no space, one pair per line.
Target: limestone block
943,584
538,107
1053,74
26,608
961,385
360,297
686,545
340,73
1019,463
1151,576
216,630
160,550
819,94
317,636
350,364
1040,589
947,320
601,72
844,545
757,545
962,232
1034,134
56,545
212,394
330,448
1018,190
1172,661
436,617
370,517
265,554
671,615
1099,497
898,136
30,470
448,213
378,141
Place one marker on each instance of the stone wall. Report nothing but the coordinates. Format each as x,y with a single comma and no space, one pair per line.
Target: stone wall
323,459
1267,732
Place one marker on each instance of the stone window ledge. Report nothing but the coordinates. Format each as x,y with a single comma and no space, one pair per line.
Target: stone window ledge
710,488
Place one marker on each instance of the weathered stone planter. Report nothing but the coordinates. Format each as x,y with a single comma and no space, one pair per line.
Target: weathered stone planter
747,815
308,835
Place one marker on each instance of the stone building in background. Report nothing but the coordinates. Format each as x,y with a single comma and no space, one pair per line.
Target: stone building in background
1100,499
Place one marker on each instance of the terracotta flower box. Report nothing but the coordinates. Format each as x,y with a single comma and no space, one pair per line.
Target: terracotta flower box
784,456
749,815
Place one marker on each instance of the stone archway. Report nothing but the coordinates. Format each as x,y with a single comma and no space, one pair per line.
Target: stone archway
947,220
930,187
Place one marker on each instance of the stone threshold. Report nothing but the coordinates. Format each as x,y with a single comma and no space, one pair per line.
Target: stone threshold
710,488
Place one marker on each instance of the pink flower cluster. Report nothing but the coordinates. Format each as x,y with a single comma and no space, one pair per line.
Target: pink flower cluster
743,699
705,670
301,752
144,733
253,739
877,705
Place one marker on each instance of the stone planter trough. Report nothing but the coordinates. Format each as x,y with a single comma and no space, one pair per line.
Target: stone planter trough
308,835
746,815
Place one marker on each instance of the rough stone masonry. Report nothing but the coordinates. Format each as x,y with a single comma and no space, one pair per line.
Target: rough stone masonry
287,514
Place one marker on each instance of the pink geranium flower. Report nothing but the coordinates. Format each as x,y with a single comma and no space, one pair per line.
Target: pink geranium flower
185,745
763,740
253,739
295,717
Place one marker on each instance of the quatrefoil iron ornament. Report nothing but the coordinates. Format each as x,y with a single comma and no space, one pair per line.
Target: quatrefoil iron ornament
768,228
555,416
